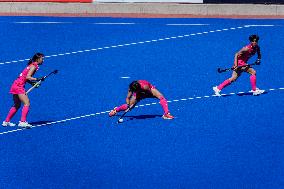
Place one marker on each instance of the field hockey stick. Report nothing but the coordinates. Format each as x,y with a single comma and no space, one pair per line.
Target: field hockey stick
120,120
34,86
39,82
220,70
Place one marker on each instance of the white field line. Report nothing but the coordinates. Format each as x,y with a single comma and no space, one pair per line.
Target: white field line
134,43
142,105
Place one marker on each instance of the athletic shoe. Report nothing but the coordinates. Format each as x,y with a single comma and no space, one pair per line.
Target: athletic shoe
24,124
167,116
216,91
257,92
5,124
112,112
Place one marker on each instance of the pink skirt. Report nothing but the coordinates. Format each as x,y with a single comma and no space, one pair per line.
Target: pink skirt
242,63
17,88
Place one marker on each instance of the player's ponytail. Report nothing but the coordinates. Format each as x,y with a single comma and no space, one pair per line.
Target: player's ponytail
35,58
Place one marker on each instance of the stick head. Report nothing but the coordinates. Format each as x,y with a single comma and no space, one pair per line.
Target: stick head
55,72
219,70
257,62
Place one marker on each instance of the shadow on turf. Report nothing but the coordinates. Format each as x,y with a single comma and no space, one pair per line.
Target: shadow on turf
142,117
250,94
39,122
243,94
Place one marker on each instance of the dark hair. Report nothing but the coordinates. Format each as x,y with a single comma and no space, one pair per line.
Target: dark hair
35,58
134,86
253,38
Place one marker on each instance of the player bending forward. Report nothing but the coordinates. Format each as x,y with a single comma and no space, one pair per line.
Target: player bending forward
240,63
139,90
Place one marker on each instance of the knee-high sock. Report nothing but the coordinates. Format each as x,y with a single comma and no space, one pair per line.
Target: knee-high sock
253,82
122,107
11,113
25,112
164,105
224,84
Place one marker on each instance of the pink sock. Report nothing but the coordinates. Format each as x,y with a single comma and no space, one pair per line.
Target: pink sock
25,112
253,82
164,104
11,113
224,84
122,108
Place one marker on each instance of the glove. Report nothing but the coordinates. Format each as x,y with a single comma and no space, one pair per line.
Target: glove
257,62
34,84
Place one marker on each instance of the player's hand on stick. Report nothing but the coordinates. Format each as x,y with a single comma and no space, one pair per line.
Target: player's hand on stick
36,84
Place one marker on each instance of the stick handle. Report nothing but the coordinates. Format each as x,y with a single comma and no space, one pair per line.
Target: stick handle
124,114
39,82
220,70
128,110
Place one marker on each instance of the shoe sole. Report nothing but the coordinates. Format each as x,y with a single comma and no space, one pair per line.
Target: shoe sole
167,118
8,125
258,93
111,115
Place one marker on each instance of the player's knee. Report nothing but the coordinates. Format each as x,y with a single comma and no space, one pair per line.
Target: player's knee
27,104
162,98
17,106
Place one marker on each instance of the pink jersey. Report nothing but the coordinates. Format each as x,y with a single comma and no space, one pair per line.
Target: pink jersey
145,84
144,93
18,87
243,58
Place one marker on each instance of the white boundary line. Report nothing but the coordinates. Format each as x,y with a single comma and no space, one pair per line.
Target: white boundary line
133,43
142,105
42,22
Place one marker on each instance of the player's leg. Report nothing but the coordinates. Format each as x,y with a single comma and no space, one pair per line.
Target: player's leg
233,78
255,90
163,102
13,110
25,110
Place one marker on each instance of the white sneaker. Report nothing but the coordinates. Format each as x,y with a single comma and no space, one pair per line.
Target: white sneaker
217,91
5,124
257,92
24,124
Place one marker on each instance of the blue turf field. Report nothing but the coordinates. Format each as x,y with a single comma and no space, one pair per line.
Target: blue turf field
234,141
